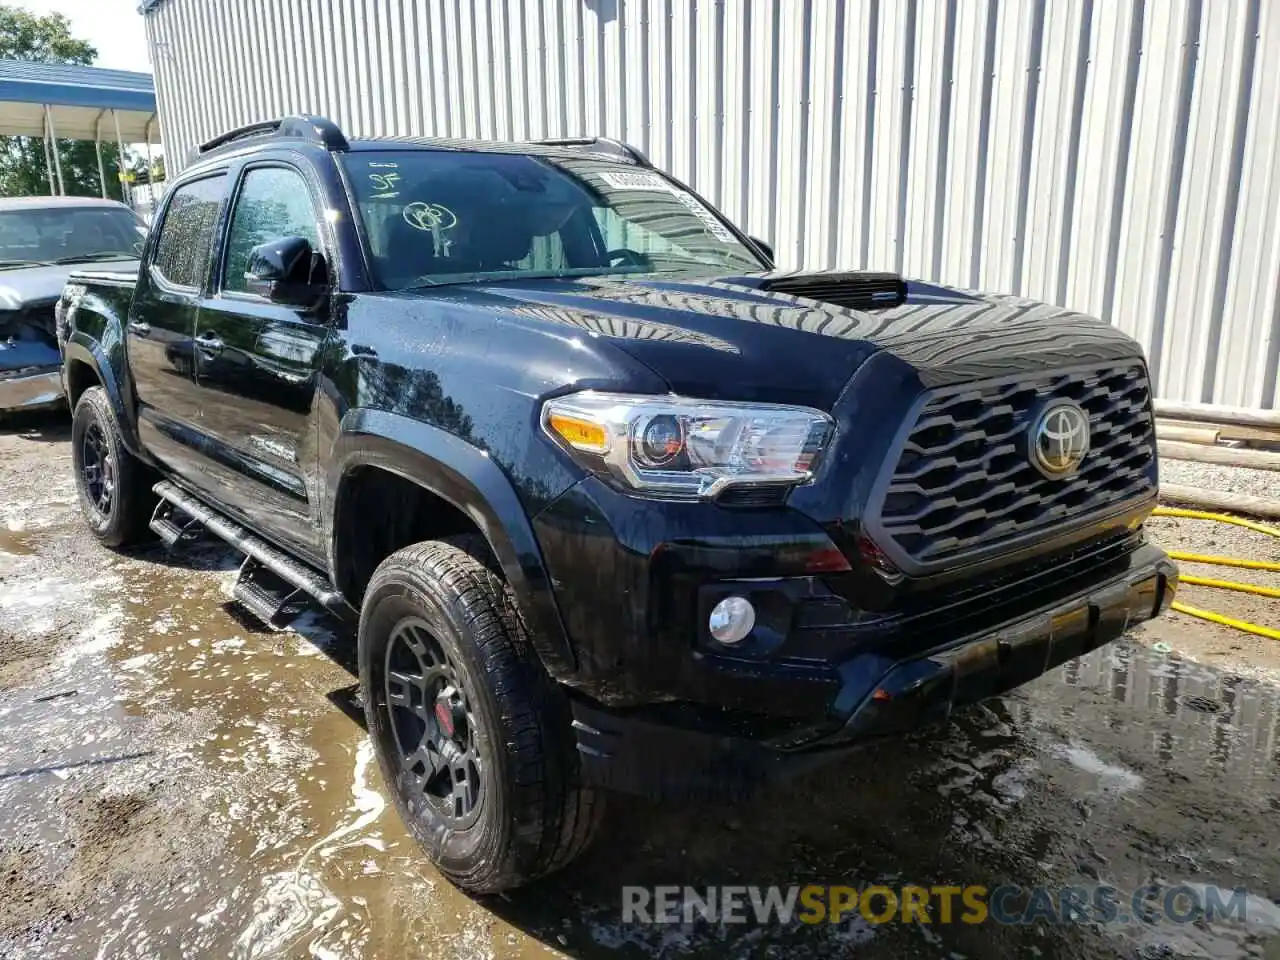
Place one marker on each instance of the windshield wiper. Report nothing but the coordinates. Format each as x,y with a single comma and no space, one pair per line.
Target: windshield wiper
92,257
484,281
579,273
519,277
6,264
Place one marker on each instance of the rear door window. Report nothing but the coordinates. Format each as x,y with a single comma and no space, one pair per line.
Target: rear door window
186,236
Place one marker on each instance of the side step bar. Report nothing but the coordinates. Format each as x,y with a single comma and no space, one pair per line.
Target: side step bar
271,584
172,525
267,595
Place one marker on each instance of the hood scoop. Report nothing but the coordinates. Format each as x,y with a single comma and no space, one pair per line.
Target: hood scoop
856,289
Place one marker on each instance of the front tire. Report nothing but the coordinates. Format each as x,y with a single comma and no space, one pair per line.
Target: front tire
114,487
472,735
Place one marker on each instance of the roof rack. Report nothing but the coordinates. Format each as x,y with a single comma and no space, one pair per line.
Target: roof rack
301,126
602,145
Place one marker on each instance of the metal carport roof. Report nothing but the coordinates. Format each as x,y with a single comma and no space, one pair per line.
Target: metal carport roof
66,101
80,102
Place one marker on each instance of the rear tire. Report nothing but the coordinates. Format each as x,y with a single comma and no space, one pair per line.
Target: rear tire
472,735
114,487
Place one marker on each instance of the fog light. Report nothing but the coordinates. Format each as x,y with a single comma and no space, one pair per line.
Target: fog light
732,619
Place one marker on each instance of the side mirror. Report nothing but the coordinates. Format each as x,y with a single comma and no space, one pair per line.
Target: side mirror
287,271
765,249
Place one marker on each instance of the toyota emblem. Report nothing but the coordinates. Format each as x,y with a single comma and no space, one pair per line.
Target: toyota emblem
1060,439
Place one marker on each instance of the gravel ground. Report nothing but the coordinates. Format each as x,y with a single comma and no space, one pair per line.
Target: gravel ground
1203,640
1213,476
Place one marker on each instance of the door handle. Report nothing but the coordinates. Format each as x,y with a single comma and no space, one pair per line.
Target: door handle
140,327
209,343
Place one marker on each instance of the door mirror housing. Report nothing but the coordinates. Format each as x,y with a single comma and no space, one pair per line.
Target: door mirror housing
764,248
287,271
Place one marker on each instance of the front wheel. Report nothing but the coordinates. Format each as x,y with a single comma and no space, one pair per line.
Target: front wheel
114,487
472,735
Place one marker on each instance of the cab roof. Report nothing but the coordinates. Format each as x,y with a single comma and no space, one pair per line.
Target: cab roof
324,133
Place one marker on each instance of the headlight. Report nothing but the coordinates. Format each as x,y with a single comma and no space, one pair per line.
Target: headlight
681,447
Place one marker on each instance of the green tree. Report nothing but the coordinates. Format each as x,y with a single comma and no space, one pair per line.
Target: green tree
23,171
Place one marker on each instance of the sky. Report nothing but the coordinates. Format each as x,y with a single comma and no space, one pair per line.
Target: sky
113,26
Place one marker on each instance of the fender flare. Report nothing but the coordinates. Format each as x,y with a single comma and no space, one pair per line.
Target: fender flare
82,349
466,477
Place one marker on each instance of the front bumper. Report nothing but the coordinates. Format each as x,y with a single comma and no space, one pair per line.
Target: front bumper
30,389
30,375
686,752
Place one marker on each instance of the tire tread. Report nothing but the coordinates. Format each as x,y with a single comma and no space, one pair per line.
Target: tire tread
555,816
130,521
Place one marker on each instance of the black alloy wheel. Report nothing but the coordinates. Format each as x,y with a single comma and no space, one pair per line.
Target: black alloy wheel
98,469
430,716
113,486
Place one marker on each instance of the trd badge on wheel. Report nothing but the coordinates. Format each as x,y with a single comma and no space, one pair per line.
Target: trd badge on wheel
1060,439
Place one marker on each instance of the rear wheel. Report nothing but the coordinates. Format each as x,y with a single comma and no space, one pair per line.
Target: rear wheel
114,487
472,735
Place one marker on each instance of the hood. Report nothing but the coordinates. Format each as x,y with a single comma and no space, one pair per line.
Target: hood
730,338
22,286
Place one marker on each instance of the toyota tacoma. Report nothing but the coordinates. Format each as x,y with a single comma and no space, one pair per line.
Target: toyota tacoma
617,505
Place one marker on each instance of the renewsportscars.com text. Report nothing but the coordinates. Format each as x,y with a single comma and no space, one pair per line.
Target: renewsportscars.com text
973,904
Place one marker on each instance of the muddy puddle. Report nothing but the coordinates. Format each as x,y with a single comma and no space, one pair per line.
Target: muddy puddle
15,544
177,783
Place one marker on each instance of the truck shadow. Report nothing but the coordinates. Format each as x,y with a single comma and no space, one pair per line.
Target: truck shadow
883,816
1092,775
44,426
207,553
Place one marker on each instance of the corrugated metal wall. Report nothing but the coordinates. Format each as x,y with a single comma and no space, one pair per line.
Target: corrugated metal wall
1121,157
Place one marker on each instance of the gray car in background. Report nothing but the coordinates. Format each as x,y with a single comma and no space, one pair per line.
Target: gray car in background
42,239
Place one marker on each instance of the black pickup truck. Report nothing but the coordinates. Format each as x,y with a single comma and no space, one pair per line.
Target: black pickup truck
618,505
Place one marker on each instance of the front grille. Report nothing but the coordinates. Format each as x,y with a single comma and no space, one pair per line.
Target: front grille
964,481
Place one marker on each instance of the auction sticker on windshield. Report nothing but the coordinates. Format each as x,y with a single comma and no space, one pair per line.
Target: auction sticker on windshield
634,181
651,181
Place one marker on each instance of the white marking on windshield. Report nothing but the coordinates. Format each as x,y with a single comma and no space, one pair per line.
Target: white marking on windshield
429,216
386,184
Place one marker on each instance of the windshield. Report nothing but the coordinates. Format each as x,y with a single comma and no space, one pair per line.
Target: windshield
443,216
45,235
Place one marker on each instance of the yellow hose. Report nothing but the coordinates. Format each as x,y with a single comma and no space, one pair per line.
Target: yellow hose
1210,615
1230,585
1218,517
1244,625
1224,561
